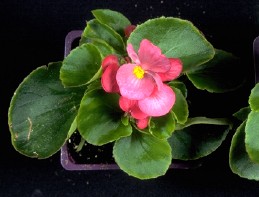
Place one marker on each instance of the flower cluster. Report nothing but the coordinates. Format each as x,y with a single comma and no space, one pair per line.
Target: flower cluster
140,81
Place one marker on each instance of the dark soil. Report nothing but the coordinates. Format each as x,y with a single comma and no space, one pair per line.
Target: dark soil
89,154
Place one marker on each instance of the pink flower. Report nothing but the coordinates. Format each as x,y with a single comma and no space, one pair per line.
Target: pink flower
143,79
140,81
142,123
131,107
175,70
159,102
110,65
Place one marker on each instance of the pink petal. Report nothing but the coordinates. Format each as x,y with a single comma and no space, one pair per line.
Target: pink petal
159,103
137,113
126,104
157,78
151,58
142,123
130,86
132,54
110,59
174,72
108,79
131,106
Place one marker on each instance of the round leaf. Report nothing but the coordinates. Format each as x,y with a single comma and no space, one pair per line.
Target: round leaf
42,111
114,19
179,85
99,31
254,98
104,48
163,126
176,38
239,161
217,74
180,108
81,66
202,137
99,118
142,156
252,136
242,113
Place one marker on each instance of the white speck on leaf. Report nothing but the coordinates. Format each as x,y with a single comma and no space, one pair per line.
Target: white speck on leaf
30,128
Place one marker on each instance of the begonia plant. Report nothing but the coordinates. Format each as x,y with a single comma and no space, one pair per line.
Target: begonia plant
130,85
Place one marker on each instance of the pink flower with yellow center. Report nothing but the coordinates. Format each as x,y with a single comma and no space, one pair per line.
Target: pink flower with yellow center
142,80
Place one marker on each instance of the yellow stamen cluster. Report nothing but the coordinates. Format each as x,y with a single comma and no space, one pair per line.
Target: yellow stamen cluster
138,72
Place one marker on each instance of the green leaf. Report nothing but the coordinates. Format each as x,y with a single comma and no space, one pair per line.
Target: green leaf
179,85
99,31
113,19
242,114
99,118
103,47
142,156
204,120
176,38
163,126
254,98
94,86
202,137
41,112
239,161
180,108
73,128
217,74
252,136
81,66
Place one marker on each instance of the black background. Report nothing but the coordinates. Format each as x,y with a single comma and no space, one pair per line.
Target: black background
32,34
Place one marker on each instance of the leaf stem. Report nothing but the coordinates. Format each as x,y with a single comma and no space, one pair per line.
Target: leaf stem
80,145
